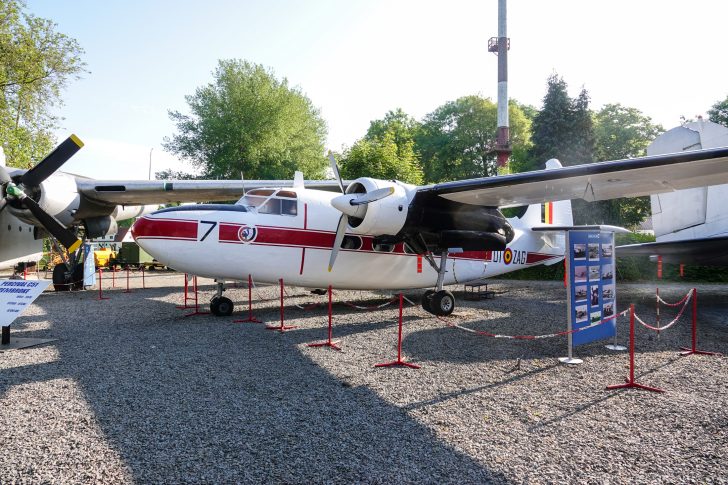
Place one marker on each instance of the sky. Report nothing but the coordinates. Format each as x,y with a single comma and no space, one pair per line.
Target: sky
358,59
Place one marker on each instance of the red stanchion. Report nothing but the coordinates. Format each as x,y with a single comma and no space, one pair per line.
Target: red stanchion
187,285
399,360
329,342
101,294
250,318
25,272
693,347
144,284
197,306
630,380
281,328
127,280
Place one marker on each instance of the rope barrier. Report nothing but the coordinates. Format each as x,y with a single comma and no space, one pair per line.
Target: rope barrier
685,302
535,337
685,298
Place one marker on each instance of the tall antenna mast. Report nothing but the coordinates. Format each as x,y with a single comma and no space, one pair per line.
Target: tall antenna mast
500,46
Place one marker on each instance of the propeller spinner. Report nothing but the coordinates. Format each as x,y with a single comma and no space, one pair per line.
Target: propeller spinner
34,177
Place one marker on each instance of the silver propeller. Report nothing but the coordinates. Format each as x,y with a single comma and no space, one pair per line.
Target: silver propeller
335,169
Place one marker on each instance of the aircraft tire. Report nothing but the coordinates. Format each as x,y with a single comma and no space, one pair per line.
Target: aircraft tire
59,278
442,303
426,299
221,307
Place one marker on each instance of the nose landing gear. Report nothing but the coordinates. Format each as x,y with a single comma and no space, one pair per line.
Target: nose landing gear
221,306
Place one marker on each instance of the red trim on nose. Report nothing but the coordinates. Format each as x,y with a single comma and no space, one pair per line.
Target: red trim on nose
154,228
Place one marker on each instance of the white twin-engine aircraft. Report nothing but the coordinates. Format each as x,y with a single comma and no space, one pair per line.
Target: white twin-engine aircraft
381,231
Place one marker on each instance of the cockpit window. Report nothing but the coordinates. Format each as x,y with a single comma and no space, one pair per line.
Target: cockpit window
270,201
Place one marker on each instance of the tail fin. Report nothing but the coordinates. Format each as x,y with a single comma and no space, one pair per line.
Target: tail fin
554,213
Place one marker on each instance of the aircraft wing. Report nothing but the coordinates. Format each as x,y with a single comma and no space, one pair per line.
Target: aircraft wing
709,251
142,192
595,181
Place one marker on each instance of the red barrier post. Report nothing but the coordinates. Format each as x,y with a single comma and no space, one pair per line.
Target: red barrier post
187,285
693,347
127,280
399,360
659,267
101,294
250,318
281,328
144,284
197,305
630,381
329,342
25,272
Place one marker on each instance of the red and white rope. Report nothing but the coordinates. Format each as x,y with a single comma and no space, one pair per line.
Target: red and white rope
686,300
534,337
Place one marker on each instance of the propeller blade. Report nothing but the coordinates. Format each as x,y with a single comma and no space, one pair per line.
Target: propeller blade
340,231
3,203
4,175
335,168
372,196
52,162
51,224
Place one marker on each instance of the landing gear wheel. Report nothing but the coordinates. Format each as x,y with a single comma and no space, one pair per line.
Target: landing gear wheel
221,306
426,300
60,281
442,303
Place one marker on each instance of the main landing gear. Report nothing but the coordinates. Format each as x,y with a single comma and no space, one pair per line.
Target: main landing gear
438,301
221,306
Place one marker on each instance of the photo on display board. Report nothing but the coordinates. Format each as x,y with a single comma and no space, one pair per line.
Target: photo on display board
596,317
580,274
606,250
594,291
580,293
581,314
607,272
593,251
594,273
608,309
608,292
579,252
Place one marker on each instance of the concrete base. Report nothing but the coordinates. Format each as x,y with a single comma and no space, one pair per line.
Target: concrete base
570,360
21,343
616,347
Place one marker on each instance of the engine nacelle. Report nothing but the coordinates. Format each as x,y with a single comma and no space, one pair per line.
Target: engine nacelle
100,226
58,197
385,216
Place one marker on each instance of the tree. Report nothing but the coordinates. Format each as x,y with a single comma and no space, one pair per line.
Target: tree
248,121
382,157
457,140
719,112
37,63
622,132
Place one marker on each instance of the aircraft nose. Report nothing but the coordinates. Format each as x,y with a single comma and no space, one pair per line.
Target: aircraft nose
166,227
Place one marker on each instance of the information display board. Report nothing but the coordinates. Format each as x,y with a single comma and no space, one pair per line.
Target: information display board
16,295
592,289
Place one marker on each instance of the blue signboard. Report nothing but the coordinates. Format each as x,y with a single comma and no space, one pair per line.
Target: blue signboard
593,294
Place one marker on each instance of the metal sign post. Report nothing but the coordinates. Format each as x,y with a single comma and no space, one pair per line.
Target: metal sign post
569,303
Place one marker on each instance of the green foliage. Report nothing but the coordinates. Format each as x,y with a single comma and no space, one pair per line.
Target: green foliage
248,121
382,157
719,112
36,64
623,132
457,140
169,174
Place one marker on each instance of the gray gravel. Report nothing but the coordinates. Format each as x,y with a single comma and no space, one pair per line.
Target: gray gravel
133,392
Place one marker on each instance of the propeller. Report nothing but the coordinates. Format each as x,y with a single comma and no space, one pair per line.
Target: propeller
353,205
34,177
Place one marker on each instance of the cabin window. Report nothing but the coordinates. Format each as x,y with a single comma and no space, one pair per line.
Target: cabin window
268,201
351,242
383,247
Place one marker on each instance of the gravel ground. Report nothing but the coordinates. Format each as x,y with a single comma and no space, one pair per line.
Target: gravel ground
134,392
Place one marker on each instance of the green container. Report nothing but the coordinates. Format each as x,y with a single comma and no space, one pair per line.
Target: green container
131,253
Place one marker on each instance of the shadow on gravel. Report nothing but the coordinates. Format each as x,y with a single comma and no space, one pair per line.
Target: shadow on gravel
201,403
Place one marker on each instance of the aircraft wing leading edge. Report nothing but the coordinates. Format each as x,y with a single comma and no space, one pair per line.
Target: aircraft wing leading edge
596,181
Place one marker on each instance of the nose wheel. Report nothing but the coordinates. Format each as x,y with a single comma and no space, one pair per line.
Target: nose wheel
221,306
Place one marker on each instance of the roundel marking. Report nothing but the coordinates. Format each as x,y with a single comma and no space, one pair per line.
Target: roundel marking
247,234
508,256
